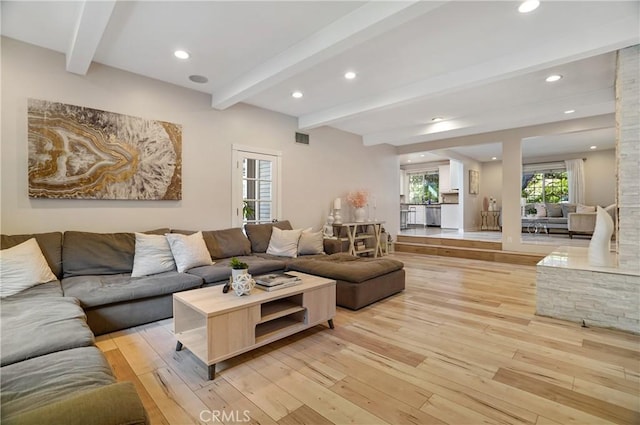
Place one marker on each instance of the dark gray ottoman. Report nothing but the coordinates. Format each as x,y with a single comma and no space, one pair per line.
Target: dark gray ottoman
359,281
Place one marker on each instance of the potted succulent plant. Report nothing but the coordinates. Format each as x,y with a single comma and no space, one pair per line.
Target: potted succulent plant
238,267
531,211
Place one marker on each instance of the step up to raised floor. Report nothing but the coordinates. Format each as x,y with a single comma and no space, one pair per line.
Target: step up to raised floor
461,248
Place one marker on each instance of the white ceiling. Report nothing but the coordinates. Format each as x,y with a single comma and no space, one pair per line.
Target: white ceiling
478,64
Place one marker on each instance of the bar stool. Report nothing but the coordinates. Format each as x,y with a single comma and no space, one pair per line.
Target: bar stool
412,211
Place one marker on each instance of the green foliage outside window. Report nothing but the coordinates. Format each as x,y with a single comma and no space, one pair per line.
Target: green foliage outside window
546,187
423,188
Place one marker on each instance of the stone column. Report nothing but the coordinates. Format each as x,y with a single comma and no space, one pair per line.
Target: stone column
628,157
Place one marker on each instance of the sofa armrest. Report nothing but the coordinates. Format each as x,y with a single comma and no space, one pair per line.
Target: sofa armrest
581,222
116,404
334,246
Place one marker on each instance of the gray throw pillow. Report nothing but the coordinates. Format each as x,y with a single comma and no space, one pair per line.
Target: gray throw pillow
554,210
568,208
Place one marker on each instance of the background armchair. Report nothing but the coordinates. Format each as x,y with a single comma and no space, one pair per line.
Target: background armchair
585,223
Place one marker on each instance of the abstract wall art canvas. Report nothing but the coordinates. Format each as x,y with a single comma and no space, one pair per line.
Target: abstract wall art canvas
84,153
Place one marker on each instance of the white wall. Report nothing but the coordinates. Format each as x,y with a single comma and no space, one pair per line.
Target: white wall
334,163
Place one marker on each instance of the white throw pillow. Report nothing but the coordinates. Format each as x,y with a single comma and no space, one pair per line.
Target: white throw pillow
311,242
585,209
189,251
152,256
541,210
284,243
22,267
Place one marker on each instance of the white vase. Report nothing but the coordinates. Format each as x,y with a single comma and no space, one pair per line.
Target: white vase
360,215
243,284
600,245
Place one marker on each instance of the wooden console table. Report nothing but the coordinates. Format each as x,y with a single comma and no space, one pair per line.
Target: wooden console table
490,220
353,236
216,326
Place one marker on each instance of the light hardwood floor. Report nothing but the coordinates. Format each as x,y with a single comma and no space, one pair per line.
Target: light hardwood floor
461,345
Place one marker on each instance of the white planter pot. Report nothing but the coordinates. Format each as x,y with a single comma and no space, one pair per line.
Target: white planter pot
360,215
238,272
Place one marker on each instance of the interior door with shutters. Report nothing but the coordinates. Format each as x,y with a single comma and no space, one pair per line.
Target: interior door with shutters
255,186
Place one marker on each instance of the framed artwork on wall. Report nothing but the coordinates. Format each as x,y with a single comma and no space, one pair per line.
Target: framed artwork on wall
474,182
77,152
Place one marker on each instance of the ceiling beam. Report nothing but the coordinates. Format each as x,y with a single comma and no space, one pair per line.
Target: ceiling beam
575,46
362,24
92,21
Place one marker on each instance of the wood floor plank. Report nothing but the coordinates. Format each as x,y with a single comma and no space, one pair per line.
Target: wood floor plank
383,347
603,409
262,392
139,354
392,410
324,401
123,372
304,415
226,402
173,397
579,371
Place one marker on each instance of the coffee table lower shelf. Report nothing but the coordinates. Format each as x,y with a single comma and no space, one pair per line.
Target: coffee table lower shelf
216,326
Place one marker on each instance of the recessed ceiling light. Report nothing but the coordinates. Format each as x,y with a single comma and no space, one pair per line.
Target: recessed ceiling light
408,160
437,119
493,158
350,75
593,147
421,155
181,54
569,111
200,79
553,78
528,6
296,94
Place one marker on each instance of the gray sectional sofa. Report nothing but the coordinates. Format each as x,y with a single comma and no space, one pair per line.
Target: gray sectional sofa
50,365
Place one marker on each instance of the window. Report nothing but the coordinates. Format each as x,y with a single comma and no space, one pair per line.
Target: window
545,183
256,191
423,187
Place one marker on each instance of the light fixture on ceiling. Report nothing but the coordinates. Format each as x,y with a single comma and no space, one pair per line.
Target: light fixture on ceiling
200,79
593,147
296,94
408,160
528,6
493,158
553,78
421,155
181,54
437,119
350,75
569,111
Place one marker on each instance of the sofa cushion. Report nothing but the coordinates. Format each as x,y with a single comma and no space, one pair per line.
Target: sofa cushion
49,289
347,267
227,243
585,208
567,209
100,290
86,253
22,267
81,408
554,210
260,234
50,378
42,325
221,271
50,244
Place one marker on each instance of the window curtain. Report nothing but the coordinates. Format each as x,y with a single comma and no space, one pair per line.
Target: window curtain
575,178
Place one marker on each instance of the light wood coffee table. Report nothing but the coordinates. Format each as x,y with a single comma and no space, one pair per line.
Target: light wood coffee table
215,326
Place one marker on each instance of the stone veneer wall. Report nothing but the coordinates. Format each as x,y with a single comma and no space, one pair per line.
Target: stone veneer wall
628,156
607,300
